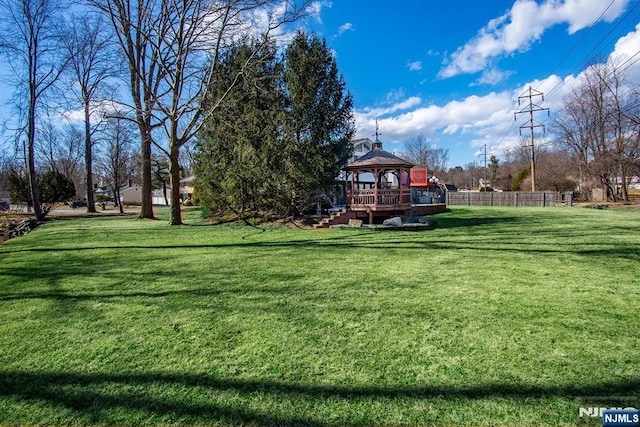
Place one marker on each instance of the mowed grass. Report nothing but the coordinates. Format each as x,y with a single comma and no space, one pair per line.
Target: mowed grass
499,316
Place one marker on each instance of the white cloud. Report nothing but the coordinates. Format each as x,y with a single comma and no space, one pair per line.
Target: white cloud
99,109
465,125
521,26
268,17
73,116
370,113
627,46
492,76
626,53
414,66
315,8
347,26
396,95
472,113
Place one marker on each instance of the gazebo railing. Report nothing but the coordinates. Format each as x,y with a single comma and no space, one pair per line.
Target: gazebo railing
385,197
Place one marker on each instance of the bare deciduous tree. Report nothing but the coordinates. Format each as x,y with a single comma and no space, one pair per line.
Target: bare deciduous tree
422,153
172,49
30,40
116,159
417,151
598,126
133,23
92,64
61,150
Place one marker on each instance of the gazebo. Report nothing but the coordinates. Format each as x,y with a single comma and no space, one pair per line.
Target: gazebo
377,184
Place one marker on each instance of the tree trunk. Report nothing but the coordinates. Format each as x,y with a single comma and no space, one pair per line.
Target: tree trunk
146,210
174,171
33,179
117,194
88,156
164,192
624,193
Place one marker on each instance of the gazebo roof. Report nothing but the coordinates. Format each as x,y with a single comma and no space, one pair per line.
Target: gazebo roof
379,158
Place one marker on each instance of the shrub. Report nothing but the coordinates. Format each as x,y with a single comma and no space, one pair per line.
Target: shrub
54,189
520,177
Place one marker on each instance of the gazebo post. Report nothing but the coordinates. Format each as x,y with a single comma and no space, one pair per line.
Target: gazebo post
400,185
353,190
375,190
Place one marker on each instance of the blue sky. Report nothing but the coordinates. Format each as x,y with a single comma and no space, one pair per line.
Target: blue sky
452,70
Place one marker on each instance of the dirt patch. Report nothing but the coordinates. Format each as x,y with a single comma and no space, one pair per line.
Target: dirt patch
609,205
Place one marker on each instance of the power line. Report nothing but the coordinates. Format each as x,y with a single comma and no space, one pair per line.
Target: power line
628,91
582,37
509,126
602,39
629,59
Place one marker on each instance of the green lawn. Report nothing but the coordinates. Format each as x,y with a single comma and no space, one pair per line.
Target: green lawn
499,316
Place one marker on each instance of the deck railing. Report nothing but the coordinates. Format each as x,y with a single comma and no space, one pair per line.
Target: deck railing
386,198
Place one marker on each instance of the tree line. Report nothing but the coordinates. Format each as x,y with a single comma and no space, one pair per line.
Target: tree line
149,63
593,141
200,84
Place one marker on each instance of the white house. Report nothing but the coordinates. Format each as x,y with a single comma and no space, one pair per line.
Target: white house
360,147
132,194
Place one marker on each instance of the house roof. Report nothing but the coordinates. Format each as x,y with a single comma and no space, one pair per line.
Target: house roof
380,158
362,145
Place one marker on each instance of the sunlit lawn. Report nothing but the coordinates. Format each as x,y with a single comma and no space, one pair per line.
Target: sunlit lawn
499,316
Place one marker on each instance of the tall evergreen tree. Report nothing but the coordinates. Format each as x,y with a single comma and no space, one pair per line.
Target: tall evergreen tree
237,160
281,134
319,123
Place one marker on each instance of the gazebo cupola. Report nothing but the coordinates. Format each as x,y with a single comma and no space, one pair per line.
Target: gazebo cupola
378,184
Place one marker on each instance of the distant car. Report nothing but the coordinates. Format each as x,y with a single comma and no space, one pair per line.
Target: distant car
78,203
4,205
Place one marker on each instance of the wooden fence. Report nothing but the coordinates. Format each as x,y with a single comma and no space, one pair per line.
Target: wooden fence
510,198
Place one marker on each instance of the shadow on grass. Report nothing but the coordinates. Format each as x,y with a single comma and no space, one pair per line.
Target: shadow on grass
170,398
631,251
476,221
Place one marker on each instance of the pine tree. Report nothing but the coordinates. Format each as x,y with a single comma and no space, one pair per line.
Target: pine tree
282,133
319,123
237,160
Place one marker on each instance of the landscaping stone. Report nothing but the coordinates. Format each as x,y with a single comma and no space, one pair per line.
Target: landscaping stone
396,221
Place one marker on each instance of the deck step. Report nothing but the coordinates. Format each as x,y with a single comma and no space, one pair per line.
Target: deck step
341,217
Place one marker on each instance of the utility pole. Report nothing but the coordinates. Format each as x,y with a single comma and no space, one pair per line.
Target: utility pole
531,108
484,172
